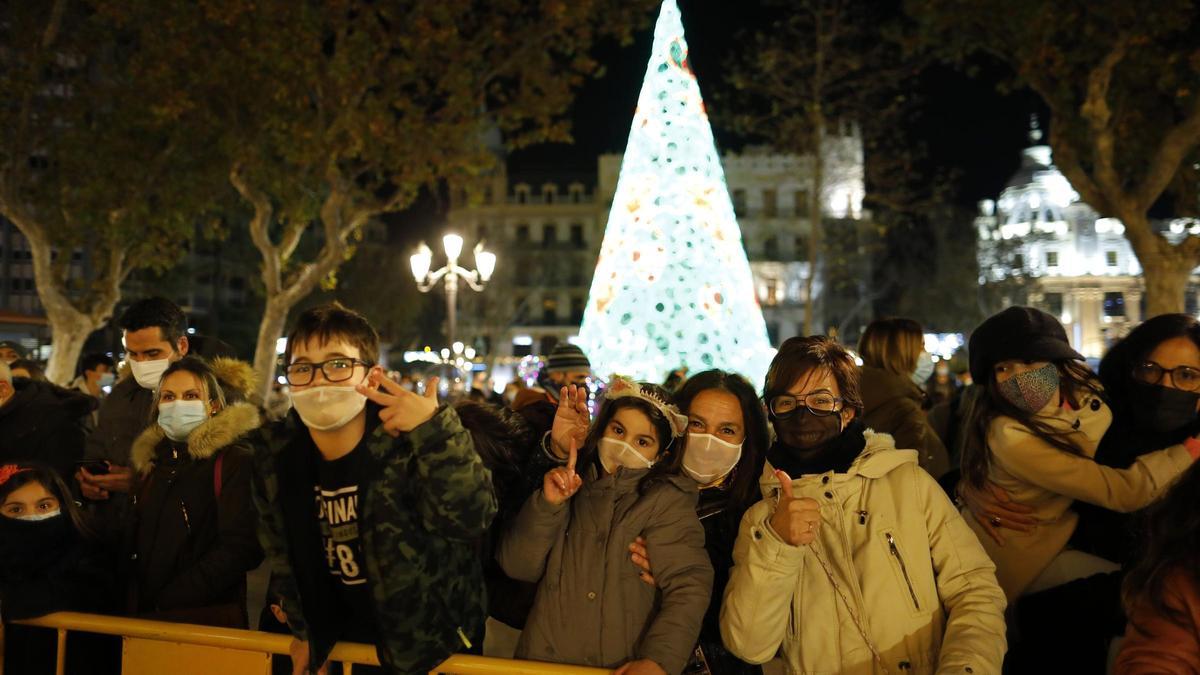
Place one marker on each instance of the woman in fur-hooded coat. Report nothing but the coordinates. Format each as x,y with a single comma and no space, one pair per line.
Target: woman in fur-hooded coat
193,535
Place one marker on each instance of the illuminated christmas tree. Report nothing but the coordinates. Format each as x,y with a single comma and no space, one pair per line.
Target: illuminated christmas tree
672,286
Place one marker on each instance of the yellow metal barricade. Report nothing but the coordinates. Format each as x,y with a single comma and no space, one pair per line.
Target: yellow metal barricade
154,647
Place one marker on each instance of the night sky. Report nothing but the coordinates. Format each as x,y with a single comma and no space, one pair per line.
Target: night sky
968,126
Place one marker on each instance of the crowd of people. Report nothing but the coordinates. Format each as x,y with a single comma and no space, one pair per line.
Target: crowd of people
863,515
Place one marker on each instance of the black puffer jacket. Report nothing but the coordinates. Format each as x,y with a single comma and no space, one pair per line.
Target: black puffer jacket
190,548
44,423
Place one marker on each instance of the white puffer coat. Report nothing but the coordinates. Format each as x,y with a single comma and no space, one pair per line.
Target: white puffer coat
894,571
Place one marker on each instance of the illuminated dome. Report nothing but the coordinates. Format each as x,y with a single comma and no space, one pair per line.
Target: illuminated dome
1037,193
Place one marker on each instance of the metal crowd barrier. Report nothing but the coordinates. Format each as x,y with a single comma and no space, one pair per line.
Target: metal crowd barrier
153,647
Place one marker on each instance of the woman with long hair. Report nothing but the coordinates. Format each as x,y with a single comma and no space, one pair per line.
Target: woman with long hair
726,447
193,535
895,369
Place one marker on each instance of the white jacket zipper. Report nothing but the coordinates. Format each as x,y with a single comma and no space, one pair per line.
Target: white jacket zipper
903,569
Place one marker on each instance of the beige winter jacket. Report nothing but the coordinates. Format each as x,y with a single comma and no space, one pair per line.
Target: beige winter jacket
1040,475
893,562
591,608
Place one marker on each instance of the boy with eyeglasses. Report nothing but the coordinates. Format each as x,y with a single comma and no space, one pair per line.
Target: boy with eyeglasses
372,499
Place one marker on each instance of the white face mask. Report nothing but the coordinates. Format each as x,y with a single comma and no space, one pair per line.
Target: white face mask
708,458
40,516
179,418
327,408
924,369
148,373
614,454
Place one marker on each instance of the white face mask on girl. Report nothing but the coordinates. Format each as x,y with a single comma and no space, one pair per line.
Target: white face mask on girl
327,408
614,454
709,459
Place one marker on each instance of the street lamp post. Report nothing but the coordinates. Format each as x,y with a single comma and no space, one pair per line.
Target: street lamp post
476,279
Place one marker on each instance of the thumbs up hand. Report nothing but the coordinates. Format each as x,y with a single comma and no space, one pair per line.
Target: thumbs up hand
560,484
795,520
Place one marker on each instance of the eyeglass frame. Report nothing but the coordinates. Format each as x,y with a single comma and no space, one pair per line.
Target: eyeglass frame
320,366
1163,372
838,401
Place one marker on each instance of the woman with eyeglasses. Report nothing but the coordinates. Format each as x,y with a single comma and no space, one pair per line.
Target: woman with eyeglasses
855,560
1033,440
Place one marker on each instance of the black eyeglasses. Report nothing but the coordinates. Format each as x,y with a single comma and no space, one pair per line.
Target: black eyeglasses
334,370
1183,377
819,403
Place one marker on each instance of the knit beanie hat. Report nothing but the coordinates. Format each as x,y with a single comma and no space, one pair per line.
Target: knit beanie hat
1017,333
567,357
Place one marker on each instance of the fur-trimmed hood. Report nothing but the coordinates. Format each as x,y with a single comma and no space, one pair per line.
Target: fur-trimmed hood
213,434
236,376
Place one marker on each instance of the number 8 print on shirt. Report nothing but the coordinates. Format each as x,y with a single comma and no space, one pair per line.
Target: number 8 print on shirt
337,511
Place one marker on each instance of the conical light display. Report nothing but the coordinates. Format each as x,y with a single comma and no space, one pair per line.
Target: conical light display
672,285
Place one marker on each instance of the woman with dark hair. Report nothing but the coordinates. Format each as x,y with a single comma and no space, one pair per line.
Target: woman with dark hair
860,563
895,370
1162,590
572,537
192,538
726,447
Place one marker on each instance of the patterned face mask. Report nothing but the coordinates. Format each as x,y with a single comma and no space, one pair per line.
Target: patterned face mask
1032,390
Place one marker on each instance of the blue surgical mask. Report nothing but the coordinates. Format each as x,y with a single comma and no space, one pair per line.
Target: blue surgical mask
924,369
180,418
106,380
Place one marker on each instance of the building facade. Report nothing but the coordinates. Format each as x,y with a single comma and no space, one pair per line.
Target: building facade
1042,245
547,236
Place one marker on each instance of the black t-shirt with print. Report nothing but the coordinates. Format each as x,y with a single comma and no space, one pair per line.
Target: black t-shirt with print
337,511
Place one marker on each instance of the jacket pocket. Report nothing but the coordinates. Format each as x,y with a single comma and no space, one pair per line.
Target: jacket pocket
898,564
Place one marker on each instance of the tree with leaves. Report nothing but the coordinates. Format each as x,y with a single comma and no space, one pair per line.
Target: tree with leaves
336,112
98,183
821,67
1122,82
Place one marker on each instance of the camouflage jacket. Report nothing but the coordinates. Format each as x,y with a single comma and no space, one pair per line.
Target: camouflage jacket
426,502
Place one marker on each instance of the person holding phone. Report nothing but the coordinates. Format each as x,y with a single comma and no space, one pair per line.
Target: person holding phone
154,331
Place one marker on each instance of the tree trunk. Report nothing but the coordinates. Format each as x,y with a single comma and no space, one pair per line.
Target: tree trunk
270,329
69,331
1166,278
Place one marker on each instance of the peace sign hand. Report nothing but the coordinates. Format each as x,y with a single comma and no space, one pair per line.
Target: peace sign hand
795,520
560,484
402,410
571,421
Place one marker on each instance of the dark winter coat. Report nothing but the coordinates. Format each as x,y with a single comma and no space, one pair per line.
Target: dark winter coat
124,414
47,566
425,506
190,548
44,423
592,608
720,516
892,405
508,599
